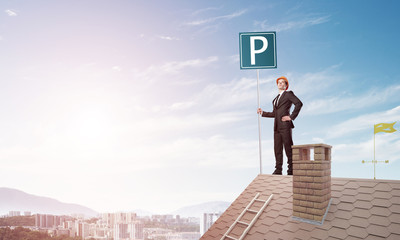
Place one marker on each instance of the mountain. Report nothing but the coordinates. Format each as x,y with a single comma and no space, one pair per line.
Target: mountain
16,200
199,209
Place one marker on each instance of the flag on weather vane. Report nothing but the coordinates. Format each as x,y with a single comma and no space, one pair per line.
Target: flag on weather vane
381,127
384,127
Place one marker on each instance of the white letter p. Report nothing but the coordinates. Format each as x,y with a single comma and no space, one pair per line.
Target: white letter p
253,51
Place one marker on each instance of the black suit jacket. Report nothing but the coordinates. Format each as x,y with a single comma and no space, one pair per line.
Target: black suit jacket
285,102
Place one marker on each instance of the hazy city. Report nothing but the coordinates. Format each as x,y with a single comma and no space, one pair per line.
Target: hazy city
108,226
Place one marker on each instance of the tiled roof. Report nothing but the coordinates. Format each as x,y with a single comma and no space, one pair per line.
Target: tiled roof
360,209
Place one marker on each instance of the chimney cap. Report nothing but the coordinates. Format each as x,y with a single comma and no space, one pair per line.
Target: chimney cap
312,145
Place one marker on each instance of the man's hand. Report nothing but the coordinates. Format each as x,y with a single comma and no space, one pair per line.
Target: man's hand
259,111
286,118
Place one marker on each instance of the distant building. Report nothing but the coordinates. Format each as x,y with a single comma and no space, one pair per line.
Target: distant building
111,219
82,229
206,220
14,213
40,221
49,221
128,231
163,218
27,213
189,235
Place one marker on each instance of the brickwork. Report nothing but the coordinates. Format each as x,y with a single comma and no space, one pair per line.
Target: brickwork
311,181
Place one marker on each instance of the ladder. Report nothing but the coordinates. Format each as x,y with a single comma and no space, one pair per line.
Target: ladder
249,225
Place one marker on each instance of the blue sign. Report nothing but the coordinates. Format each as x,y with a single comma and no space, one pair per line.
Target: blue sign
257,50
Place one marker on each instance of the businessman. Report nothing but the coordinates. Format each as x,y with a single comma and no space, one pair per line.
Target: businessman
283,123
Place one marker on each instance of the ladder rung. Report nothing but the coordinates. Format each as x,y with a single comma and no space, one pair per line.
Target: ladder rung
244,223
230,237
259,200
253,211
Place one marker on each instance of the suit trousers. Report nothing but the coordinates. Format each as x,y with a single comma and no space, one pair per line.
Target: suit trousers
283,138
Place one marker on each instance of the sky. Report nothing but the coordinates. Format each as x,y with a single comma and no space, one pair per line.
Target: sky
123,105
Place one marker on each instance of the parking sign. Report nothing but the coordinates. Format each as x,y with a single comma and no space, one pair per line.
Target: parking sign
257,50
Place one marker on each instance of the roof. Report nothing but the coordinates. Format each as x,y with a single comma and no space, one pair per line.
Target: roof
360,209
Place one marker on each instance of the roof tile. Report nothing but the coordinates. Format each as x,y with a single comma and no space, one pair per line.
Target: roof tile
363,204
395,200
340,223
367,183
348,199
380,211
359,232
303,234
364,197
276,227
345,206
359,222
395,208
396,192
363,213
349,192
381,202
292,226
393,237
384,195
368,190
352,185
378,231
353,238
343,214
337,233
379,220
320,234
385,187
394,218
394,228
308,227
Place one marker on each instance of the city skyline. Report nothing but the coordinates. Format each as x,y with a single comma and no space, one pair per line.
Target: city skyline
142,104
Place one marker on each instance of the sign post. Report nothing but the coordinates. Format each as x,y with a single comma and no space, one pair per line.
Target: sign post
258,51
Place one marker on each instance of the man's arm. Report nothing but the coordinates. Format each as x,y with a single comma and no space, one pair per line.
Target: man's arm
297,105
265,114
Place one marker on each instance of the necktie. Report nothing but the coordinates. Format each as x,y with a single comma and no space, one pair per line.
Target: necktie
276,100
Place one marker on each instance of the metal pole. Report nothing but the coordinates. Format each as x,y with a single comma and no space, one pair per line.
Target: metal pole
259,120
374,154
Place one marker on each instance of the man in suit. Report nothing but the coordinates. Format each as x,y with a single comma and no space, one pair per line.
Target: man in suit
283,123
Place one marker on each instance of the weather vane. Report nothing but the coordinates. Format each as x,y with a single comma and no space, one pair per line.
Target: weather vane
380,127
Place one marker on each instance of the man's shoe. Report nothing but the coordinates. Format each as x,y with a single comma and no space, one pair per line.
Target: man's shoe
276,172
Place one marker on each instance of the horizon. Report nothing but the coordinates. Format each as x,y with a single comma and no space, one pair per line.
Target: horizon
143,105
138,212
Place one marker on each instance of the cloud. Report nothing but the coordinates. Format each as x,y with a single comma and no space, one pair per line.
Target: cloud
341,102
365,123
158,73
197,12
327,91
280,27
233,95
385,149
182,105
117,68
216,19
168,38
176,66
10,13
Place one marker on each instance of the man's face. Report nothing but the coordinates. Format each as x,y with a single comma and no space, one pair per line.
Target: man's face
281,84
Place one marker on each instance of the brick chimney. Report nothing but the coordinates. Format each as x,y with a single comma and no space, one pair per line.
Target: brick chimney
311,182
